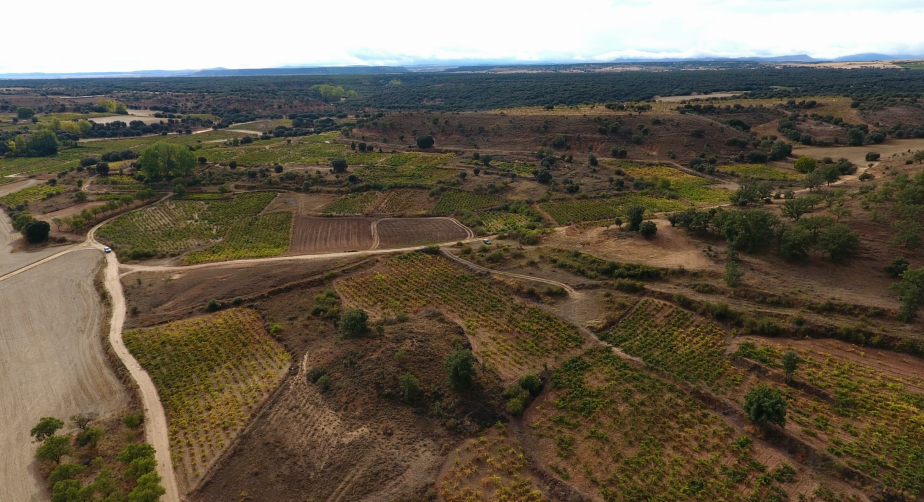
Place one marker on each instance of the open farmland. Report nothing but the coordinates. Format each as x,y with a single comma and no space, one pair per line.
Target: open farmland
356,203
211,373
52,364
510,337
692,188
407,232
325,235
176,226
31,194
407,202
260,237
761,172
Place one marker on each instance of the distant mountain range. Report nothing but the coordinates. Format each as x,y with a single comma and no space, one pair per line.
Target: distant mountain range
438,66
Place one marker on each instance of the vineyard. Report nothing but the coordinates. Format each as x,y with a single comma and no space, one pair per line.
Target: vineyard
119,181
178,225
499,221
871,421
612,427
354,203
761,172
490,467
211,373
692,188
260,237
606,209
420,159
506,334
405,201
455,201
403,175
31,194
674,341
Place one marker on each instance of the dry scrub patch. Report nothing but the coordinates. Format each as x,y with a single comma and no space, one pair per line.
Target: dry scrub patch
211,373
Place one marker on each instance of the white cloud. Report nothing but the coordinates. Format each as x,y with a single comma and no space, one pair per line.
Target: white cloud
109,35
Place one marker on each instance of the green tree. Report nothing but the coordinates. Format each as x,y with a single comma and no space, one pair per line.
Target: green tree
42,143
24,113
813,179
339,165
148,489
748,229
68,490
765,405
425,142
790,364
648,229
132,451
805,164
91,436
795,208
166,161
46,427
795,243
65,471
353,323
592,160
911,292
36,231
53,448
838,242
635,215
460,368
410,387
733,274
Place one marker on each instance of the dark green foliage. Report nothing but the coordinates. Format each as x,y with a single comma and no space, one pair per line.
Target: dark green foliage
747,230
36,231
339,165
46,428
460,369
911,292
65,471
353,323
326,305
594,268
839,242
751,192
790,364
765,405
410,387
648,229
634,216
90,436
133,420
897,267
53,448
424,142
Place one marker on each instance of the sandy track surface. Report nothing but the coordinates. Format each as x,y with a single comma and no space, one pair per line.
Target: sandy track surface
51,361
155,420
10,261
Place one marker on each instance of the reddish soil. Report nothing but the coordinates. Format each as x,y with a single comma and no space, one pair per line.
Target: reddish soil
326,235
406,232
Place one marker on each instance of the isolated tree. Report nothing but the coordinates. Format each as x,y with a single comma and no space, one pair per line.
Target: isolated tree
647,229
805,164
460,368
102,169
46,427
872,156
410,387
339,165
424,142
780,150
592,160
790,364
911,292
486,160
463,175
733,274
24,113
166,161
353,323
36,231
202,160
635,215
765,405
53,448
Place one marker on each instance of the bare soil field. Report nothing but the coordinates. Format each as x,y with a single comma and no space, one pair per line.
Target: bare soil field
50,365
857,154
9,240
405,232
324,235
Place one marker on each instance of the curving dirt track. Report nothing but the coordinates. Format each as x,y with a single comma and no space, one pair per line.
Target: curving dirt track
52,361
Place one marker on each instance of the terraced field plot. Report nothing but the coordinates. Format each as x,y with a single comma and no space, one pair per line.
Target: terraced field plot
211,373
456,201
511,337
605,210
613,429
31,194
260,237
761,172
674,341
406,201
404,175
692,188
498,221
355,203
407,232
864,417
329,235
179,225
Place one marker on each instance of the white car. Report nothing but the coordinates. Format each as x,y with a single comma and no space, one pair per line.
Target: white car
106,249
487,241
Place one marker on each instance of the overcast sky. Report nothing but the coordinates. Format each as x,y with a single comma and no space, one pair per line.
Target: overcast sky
110,35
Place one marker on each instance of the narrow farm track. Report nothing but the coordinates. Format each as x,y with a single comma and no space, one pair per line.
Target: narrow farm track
571,291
